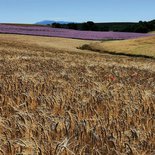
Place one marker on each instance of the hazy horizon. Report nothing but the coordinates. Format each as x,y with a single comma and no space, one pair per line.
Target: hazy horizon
32,11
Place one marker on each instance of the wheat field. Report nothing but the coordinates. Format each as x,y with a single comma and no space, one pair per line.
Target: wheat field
144,46
56,99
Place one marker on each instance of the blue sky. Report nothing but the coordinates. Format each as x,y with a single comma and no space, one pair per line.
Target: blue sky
31,11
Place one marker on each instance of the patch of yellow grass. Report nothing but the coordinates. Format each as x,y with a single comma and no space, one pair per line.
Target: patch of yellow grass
140,46
46,42
152,32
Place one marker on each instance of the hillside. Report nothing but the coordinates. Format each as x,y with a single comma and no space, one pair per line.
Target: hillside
152,32
144,46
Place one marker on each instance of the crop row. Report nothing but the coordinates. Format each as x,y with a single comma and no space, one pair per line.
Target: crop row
55,32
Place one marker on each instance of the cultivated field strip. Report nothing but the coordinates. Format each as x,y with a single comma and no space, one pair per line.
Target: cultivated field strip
139,47
66,33
65,103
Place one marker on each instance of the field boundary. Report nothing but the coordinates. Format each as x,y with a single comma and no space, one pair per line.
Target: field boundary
87,47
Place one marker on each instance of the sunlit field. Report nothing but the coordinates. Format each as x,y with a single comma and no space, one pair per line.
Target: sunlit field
56,99
144,46
152,32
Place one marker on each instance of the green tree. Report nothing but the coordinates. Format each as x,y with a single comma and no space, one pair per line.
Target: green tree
56,25
90,25
72,26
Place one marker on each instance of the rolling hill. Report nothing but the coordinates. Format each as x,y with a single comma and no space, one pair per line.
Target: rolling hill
144,46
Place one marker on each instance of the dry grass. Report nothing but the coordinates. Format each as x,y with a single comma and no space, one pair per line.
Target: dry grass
141,46
62,44
152,32
63,101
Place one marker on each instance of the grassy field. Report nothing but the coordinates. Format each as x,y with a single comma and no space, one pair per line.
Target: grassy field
153,32
63,44
56,99
141,46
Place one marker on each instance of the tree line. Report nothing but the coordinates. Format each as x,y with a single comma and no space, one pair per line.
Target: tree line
141,26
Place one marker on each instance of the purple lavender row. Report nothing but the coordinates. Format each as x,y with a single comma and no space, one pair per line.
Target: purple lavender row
76,34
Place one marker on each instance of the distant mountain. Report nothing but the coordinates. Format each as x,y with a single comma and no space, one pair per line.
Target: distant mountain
45,22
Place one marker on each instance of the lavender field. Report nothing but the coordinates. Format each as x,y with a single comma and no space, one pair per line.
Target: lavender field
76,34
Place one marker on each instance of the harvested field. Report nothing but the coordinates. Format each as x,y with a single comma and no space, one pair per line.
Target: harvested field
56,99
